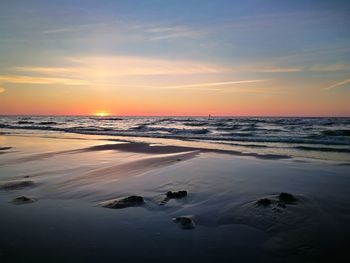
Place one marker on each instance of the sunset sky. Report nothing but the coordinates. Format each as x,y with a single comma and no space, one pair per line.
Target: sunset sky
281,58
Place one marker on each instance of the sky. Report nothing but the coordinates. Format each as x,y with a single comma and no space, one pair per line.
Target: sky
176,57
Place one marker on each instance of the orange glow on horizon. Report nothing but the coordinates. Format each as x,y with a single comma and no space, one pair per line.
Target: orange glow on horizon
101,114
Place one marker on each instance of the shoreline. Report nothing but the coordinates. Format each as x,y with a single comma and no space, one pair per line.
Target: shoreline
223,189
219,147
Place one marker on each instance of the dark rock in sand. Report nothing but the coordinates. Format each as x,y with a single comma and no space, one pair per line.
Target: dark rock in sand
20,200
13,185
185,222
264,202
283,199
5,148
124,202
176,195
286,198
173,195
277,210
279,204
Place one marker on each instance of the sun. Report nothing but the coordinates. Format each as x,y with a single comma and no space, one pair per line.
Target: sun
101,113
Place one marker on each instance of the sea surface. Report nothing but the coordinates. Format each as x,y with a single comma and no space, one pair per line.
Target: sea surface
317,138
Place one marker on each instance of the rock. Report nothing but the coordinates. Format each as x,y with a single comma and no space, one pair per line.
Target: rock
277,210
13,185
286,198
264,202
176,195
279,204
20,200
5,148
185,222
124,202
173,195
283,199
178,160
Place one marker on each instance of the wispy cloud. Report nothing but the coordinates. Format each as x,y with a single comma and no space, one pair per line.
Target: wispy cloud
330,68
41,80
280,69
338,84
61,30
78,82
74,28
196,86
130,31
115,66
281,20
210,84
126,66
159,32
110,71
163,33
44,70
92,67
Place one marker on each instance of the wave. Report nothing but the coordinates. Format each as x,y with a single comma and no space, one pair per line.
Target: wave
322,149
336,132
233,130
196,124
25,122
106,118
230,128
241,134
47,123
89,128
250,128
193,131
146,128
184,134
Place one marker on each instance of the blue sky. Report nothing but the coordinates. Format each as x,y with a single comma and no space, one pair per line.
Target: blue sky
304,43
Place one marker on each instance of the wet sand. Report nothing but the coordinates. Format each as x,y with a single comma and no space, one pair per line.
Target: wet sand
69,179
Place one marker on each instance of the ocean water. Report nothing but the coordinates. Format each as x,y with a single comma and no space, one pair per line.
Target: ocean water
320,138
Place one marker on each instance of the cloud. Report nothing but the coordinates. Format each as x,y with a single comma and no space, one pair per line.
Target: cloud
114,71
61,30
159,32
330,68
215,84
74,28
126,66
40,80
276,68
44,70
129,30
114,66
280,70
267,66
338,84
210,86
123,71
164,33
98,67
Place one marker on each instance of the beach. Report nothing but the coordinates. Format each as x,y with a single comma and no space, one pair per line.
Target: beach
174,131
67,178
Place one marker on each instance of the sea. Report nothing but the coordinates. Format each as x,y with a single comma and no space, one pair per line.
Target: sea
295,137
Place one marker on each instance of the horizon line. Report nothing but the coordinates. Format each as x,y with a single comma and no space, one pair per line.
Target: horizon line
211,116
